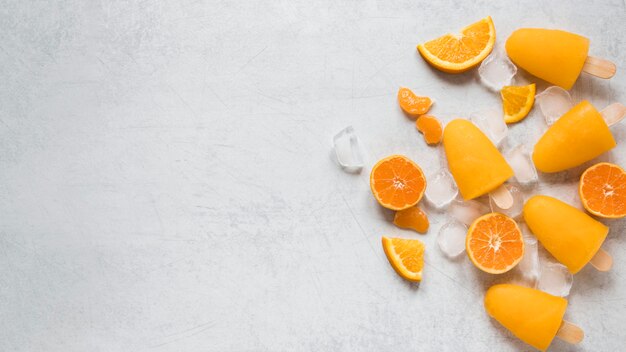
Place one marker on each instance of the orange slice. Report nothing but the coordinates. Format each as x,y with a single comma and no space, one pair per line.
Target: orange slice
412,104
494,243
602,190
397,182
412,218
517,102
431,128
455,53
405,256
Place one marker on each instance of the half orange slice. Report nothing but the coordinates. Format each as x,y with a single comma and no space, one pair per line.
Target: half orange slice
494,243
397,182
602,190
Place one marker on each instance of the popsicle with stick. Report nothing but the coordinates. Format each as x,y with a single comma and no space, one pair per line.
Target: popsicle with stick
580,135
570,235
533,316
475,163
555,56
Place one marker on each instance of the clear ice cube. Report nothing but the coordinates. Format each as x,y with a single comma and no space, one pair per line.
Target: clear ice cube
497,71
491,122
526,273
529,237
441,189
554,102
554,278
348,149
451,238
467,211
518,202
522,164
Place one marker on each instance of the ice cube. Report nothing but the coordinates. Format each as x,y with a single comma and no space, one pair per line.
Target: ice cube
491,122
526,272
518,202
467,211
451,238
554,102
348,149
522,164
441,189
554,278
496,71
529,237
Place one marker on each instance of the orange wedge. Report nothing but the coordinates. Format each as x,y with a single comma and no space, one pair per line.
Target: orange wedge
517,102
412,218
455,53
405,256
431,128
602,189
412,104
397,182
494,243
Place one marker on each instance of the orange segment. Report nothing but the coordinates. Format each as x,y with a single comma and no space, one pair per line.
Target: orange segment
455,53
494,243
397,182
405,256
413,104
412,218
431,128
517,102
602,190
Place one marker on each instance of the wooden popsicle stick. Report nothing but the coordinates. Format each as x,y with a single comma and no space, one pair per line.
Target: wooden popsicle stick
599,67
570,333
502,197
613,113
602,261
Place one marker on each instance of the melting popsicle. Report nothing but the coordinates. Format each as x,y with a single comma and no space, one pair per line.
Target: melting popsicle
534,316
555,56
475,163
570,235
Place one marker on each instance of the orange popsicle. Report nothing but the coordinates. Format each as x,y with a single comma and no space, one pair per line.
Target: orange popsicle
475,163
578,136
570,235
532,315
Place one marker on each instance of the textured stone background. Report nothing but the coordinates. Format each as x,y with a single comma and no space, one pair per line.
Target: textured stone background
167,184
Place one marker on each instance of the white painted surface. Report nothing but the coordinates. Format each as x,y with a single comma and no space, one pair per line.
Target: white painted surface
166,181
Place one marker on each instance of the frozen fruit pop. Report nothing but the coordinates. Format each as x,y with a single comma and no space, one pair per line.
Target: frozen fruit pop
570,235
578,136
555,56
475,163
533,316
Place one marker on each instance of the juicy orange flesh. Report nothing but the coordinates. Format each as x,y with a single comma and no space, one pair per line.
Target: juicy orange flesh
603,189
516,98
410,252
413,104
398,182
431,128
455,49
412,218
496,242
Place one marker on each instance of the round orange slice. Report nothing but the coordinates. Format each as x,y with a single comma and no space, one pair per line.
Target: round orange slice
494,243
602,189
405,256
455,53
397,182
